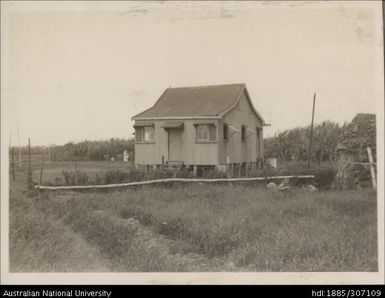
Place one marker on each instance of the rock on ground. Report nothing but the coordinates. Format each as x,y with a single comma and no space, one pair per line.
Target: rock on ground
312,188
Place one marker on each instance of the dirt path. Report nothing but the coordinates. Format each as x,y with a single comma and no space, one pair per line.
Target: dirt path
85,256
153,243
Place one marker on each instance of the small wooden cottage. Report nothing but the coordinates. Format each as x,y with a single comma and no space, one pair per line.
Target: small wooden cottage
200,126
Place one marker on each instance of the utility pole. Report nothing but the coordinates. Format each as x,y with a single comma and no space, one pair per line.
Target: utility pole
311,133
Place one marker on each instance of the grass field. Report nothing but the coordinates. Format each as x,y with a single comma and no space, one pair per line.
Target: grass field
195,227
54,170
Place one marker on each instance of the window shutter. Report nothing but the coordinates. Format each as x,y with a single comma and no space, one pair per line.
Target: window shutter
151,133
139,134
198,132
225,133
243,133
212,133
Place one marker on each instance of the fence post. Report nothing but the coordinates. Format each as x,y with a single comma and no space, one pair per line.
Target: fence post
41,169
13,163
162,166
29,164
228,166
19,151
372,172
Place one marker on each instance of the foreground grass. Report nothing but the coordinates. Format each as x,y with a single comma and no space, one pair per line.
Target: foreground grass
48,236
237,228
38,242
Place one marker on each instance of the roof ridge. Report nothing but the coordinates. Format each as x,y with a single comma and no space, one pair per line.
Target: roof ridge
207,86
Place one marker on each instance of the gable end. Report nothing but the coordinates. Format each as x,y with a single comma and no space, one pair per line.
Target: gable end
244,90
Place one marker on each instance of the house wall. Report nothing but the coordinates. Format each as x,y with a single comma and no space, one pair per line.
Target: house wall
193,153
238,150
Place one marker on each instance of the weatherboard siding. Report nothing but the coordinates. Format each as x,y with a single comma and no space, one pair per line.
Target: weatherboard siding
193,153
145,154
241,151
198,153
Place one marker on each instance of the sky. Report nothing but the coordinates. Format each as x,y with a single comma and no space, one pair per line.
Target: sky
80,70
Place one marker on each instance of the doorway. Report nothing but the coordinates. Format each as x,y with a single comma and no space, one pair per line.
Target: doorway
175,144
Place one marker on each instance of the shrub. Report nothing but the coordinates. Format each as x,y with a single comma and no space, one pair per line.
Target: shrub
76,177
98,180
58,181
116,177
353,176
213,173
324,177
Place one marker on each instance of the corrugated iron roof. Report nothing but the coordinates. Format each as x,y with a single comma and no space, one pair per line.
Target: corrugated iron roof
194,101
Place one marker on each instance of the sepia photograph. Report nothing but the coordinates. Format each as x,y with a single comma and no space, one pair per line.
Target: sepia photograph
192,142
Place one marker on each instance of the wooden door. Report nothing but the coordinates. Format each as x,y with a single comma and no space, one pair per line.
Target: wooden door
175,144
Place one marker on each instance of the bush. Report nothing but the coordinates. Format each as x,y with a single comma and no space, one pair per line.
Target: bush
353,176
76,177
98,180
324,177
116,177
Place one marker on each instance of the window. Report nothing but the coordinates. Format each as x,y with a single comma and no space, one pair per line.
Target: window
144,133
203,133
225,132
206,133
148,133
243,133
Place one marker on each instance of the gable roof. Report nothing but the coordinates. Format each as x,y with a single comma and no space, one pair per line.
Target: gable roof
200,101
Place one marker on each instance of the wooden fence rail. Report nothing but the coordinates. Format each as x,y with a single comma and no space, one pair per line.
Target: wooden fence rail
359,163
79,187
